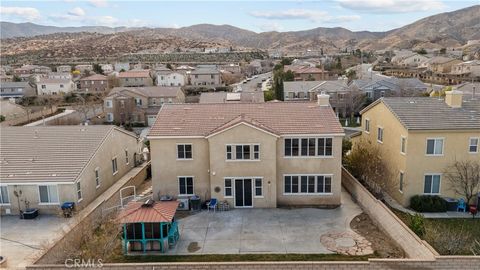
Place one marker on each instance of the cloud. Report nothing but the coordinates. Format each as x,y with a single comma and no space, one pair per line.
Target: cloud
106,21
271,26
26,13
303,14
76,12
98,3
391,6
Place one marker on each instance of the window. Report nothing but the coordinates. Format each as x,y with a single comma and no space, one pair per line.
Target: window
61,85
4,199
307,184
48,194
435,146
122,104
432,184
109,117
170,100
403,145
184,151
380,134
79,191
367,125
306,147
126,157
114,166
243,151
185,185
473,145
108,103
258,187
44,86
228,188
138,101
400,182
97,177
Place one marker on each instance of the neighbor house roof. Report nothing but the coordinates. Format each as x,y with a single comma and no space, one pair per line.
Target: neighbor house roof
48,153
299,69
149,91
226,97
53,80
280,118
95,77
137,212
134,74
440,60
205,71
315,86
429,113
14,84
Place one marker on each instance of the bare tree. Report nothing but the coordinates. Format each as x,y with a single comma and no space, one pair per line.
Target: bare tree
464,178
366,163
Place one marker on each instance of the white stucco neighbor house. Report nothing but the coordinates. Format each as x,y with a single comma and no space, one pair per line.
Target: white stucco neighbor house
171,78
46,86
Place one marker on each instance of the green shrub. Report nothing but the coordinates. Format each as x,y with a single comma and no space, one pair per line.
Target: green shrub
428,203
2,118
417,224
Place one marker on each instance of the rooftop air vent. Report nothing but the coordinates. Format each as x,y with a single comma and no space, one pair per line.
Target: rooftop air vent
148,203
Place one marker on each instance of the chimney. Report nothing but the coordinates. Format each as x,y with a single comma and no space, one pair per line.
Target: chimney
323,99
454,98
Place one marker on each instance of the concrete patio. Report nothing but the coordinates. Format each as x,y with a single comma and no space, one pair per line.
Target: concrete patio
263,230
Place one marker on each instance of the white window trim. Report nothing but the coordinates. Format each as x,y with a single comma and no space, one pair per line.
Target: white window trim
439,184
469,144
115,157
97,169
405,146
9,201
77,190
307,194
252,145
300,147
176,151
435,138
383,134
255,187
39,199
127,158
193,185
231,187
369,122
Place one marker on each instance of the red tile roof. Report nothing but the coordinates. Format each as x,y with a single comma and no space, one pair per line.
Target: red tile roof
303,69
279,118
134,74
95,77
158,212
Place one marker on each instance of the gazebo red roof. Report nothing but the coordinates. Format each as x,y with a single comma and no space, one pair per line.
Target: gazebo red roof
135,212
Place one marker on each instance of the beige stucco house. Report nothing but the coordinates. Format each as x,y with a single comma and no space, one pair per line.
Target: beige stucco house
248,154
420,137
51,165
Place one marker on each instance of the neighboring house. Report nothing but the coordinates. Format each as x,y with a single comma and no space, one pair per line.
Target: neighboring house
16,90
84,68
56,164
420,137
205,76
139,104
107,68
232,68
409,60
121,67
400,87
441,64
64,69
94,83
469,89
250,155
59,75
170,78
308,73
228,97
341,96
469,68
135,78
47,86
31,69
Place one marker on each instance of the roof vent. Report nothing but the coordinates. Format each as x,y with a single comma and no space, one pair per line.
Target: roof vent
148,203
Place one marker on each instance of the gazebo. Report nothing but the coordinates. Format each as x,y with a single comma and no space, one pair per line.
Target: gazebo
149,226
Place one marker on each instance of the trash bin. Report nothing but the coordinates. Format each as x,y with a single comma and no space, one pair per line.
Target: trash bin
451,203
67,208
478,200
195,203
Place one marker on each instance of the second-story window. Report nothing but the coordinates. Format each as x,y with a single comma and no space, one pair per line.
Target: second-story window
243,151
184,151
307,147
473,145
403,145
367,125
435,146
114,166
380,134
108,103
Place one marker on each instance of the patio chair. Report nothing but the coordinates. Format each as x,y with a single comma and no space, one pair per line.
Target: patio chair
461,205
212,204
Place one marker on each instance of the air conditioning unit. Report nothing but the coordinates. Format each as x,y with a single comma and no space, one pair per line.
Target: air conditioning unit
183,205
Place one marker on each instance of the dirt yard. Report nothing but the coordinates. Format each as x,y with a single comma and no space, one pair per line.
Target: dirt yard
383,246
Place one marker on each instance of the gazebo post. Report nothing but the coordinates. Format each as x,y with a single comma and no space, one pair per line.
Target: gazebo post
144,242
125,241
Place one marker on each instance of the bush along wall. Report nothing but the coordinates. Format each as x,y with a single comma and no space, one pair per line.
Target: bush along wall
428,203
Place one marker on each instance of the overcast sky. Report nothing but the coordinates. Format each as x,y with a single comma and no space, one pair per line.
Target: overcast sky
258,16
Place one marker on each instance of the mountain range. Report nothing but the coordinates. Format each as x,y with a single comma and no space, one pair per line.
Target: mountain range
448,29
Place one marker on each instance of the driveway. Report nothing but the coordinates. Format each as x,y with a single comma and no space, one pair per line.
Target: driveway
264,230
21,239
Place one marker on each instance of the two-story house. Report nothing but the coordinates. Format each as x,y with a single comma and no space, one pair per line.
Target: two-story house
308,73
47,166
16,90
135,78
249,154
94,83
420,137
64,69
170,78
46,86
139,104
206,77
